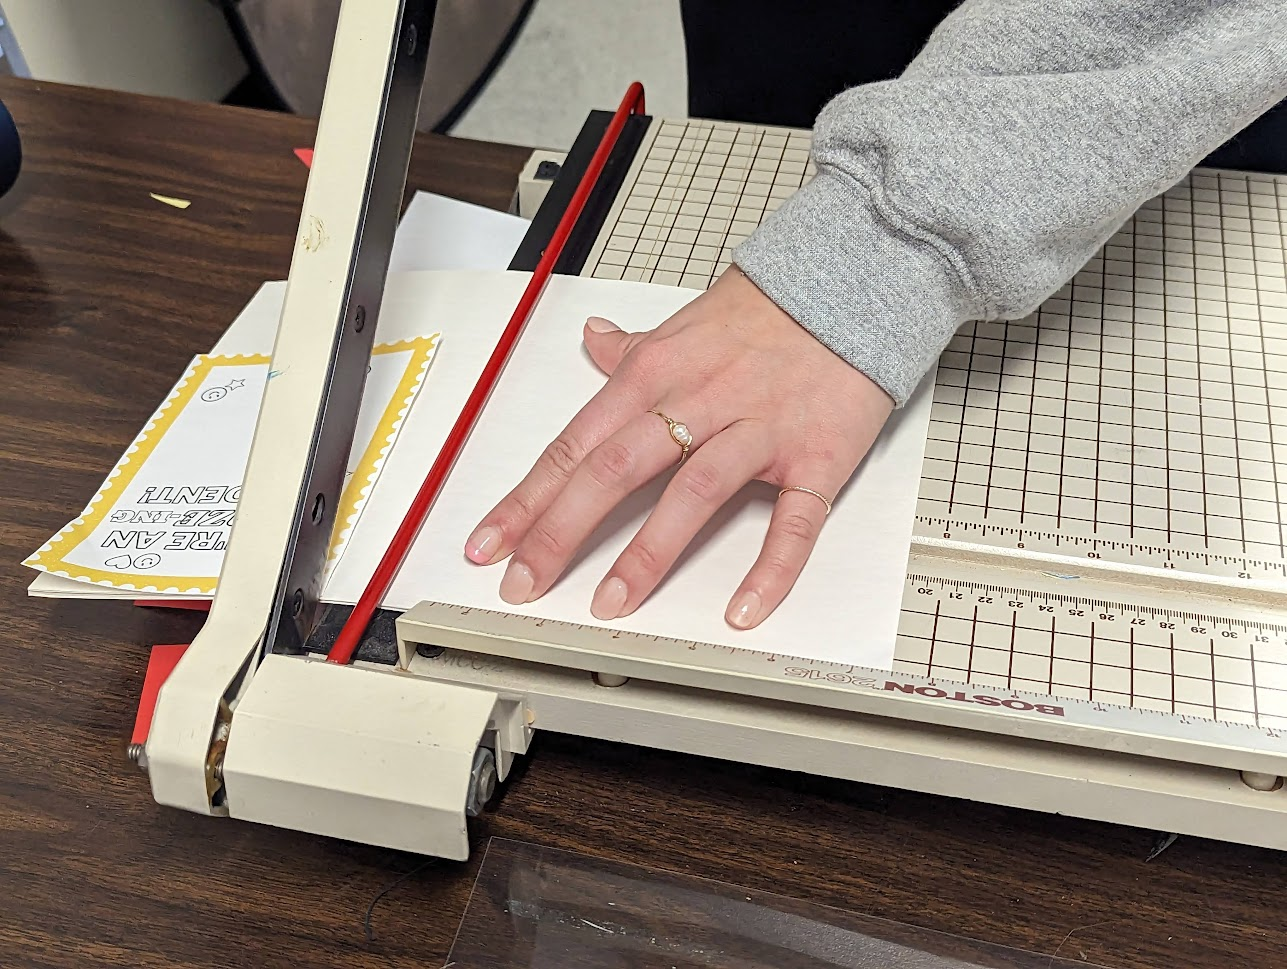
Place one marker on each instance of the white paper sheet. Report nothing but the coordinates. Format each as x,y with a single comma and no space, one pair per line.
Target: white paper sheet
845,606
443,233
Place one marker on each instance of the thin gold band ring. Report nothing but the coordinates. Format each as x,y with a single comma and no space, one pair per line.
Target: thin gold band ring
808,491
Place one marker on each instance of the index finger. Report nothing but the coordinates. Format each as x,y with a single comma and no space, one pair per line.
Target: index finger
504,526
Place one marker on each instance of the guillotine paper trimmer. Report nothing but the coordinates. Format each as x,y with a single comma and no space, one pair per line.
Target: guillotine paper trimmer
1091,625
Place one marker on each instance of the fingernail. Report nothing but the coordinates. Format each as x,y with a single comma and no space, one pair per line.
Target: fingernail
516,586
599,325
482,545
744,610
609,599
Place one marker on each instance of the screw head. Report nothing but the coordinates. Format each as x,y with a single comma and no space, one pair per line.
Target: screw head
297,602
137,756
359,319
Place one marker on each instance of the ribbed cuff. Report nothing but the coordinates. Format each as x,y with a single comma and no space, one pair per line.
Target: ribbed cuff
883,299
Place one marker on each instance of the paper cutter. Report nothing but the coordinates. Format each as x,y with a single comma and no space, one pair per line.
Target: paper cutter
1095,619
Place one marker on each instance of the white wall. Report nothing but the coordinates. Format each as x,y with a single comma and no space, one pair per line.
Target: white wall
179,48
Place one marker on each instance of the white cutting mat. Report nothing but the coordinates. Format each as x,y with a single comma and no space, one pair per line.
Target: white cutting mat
1140,415
695,191
1139,418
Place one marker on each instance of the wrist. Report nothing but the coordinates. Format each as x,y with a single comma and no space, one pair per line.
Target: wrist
882,299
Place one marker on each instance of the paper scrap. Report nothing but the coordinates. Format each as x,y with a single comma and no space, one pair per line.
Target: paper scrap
442,233
845,607
171,200
305,155
161,520
1161,843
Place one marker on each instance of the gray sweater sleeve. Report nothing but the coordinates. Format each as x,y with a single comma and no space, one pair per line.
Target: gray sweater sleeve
1020,139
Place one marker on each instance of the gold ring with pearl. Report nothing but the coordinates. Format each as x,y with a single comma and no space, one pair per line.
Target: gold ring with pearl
679,433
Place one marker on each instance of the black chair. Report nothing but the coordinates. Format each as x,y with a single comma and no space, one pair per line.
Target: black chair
10,150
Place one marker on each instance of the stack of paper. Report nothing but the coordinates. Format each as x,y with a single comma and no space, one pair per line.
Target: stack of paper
158,524
174,484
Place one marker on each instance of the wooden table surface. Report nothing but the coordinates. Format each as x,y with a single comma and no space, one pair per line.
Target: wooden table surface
104,296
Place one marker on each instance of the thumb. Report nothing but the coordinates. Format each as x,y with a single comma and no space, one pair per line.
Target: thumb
608,344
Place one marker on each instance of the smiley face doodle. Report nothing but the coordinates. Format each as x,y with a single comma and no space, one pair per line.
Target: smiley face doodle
124,563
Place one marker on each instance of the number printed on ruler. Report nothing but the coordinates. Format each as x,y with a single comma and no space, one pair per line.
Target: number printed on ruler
1229,666
1140,415
1079,546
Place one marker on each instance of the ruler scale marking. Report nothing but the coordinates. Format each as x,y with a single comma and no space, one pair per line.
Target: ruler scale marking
844,686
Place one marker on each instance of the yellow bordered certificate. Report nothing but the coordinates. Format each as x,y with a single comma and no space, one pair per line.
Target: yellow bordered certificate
160,521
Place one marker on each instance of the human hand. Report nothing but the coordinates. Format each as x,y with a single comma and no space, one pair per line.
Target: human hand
761,398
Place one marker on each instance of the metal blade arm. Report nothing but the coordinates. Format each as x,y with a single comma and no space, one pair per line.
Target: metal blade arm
271,577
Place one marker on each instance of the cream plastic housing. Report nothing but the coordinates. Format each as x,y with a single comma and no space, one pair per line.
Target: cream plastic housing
364,754
1161,795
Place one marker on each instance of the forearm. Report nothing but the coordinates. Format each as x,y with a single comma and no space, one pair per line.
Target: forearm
980,181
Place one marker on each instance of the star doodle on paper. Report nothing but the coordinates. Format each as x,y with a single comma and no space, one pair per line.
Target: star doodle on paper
213,394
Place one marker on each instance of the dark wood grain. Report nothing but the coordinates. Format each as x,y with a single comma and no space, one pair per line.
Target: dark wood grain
104,295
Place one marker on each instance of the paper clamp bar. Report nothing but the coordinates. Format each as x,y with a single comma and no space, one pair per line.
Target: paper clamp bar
350,636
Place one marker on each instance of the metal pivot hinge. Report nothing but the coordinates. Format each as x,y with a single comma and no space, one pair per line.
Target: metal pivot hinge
482,782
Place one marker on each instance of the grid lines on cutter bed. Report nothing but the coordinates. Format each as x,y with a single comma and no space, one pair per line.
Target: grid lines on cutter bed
1143,404
695,191
1182,663
1132,417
